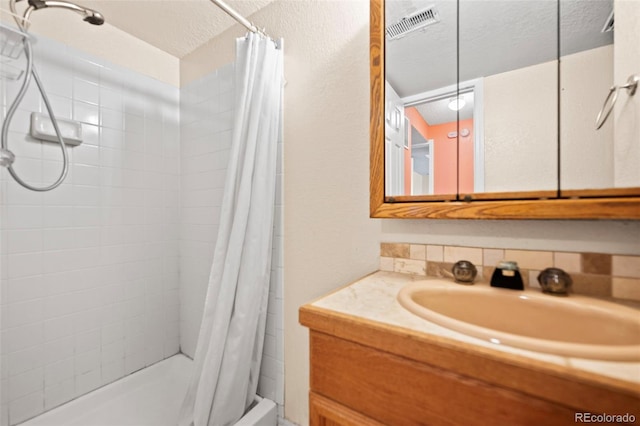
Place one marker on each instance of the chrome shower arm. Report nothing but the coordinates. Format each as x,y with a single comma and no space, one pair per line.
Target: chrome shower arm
89,15
41,4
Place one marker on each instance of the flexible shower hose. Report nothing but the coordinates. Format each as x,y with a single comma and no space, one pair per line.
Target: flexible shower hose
31,71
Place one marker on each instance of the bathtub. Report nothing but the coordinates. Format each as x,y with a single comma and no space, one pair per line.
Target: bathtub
149,397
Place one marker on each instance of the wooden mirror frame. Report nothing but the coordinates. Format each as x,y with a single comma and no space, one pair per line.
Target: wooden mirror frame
617,203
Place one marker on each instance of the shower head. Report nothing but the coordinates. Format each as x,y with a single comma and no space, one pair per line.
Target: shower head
93,17
88,15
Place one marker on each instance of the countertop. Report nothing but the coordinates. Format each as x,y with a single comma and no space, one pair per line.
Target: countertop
373,298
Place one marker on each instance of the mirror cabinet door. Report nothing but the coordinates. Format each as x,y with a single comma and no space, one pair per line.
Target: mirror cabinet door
508,57
490,106
471,99
421,158
596,55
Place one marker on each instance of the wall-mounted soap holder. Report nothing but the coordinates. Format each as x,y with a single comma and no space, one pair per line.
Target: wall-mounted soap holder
42,128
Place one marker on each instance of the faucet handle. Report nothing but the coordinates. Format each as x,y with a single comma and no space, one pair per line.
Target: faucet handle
464,272
555,281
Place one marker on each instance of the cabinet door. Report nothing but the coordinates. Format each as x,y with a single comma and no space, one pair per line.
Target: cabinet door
508,89
325,412
599,159
398,391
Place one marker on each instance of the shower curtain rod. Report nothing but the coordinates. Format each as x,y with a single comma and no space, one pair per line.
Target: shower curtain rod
241,19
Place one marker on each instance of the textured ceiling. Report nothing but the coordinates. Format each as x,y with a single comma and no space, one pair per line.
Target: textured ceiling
494,36
175,26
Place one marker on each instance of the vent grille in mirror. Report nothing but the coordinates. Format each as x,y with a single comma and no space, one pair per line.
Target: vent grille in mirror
608,25
413,22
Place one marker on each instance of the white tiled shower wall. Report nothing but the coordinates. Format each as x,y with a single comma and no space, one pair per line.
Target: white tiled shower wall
90,270
206,121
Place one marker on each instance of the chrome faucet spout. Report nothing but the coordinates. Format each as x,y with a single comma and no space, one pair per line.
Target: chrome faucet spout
507,275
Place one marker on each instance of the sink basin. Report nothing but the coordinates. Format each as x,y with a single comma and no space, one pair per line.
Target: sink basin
574,326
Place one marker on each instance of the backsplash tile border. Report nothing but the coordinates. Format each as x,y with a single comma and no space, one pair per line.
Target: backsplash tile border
594,274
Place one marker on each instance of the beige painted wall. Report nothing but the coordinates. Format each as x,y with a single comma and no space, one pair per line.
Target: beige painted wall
586,154
104,41
627,110
521,130
329,239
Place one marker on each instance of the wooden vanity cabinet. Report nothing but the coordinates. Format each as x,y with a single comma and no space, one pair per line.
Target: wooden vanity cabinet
363,373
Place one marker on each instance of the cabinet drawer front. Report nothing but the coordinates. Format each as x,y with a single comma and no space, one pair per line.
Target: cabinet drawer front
325,412
397,391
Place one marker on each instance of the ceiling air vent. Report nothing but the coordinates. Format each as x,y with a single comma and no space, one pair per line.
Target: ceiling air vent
608,24
413,22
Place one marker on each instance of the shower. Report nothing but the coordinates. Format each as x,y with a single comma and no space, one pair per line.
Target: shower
6,156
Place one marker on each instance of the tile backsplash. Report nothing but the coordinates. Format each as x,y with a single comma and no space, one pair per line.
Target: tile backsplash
594,274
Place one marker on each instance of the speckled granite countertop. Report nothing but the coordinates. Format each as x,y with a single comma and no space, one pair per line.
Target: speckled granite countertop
373,298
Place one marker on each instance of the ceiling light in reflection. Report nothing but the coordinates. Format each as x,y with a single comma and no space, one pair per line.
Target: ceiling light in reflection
457,103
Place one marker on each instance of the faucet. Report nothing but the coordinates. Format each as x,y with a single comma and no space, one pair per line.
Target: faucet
507,275
555,281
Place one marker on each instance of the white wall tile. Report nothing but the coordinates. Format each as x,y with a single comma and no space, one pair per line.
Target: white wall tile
88,382
113,371
24,313
19,338
58,372
86,113
110,98
87,341
112,119
86,91
62,196
22,289
68,255
59,349
24,217
134,362
58,328
87,361
24,265
59,393
26,360
16,193
22,241
26,407
25,383
85,68
90,135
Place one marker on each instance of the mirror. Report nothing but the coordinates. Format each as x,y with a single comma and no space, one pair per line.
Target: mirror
421,75
486,95
478,114
596,161
474,124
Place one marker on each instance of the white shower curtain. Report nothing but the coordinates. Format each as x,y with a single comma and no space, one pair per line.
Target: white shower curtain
229,351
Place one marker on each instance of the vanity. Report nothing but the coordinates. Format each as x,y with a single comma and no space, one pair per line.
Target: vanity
375,363
490,110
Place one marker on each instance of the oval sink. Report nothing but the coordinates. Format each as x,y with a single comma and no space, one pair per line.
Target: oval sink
574,326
